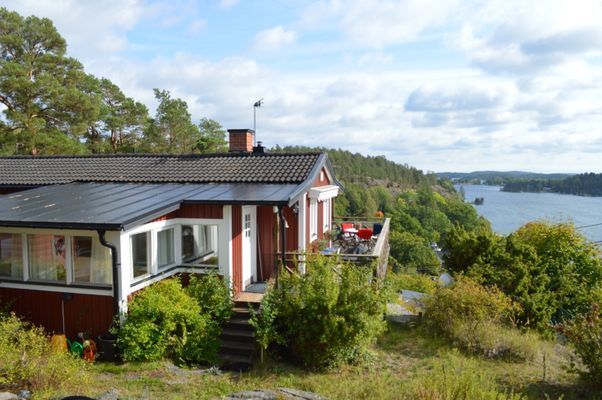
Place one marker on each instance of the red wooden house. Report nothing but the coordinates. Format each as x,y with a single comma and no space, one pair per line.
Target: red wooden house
80,234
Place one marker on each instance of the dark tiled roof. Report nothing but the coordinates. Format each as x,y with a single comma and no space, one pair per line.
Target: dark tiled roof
219,168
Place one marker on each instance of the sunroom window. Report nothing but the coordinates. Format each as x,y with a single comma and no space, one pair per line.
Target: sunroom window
47,257
140,252
199,244
91,261
165,247
11,255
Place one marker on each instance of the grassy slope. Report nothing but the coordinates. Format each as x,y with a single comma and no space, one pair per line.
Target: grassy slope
402,361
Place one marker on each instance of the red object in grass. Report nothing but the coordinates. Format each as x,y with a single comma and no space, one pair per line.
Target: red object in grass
365,233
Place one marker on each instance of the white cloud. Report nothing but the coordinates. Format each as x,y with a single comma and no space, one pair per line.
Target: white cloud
228,3
382,23
197,26
90,28
273,39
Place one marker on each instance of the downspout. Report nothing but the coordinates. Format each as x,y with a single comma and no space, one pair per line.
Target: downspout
115,268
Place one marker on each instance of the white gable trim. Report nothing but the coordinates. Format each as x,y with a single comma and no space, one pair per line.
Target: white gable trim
322,193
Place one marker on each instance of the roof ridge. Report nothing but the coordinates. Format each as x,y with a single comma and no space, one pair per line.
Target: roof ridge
159,155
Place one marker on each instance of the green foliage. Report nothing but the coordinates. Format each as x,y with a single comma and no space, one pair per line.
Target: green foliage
212,294
42,90
27,359
476,318
212,137
585,334
413,252
455,379
325,317
172,130
264,322
549,269
163,321
417,282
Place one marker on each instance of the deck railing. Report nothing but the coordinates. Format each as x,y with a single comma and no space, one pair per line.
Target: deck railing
375,253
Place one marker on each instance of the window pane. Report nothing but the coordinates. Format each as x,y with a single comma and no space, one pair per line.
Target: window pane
140,254
11,255
91,261
165,247
199,244
47,257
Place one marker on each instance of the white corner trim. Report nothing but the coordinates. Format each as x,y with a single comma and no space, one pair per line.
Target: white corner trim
322,193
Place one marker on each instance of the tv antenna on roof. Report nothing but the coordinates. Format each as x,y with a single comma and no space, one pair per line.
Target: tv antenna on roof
256,105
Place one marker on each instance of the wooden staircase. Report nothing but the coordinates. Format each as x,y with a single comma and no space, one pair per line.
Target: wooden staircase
237,341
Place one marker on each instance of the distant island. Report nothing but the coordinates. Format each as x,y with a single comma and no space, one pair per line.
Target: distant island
498,178
587,184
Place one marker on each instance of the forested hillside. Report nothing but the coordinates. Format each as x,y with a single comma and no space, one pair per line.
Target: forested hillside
588,184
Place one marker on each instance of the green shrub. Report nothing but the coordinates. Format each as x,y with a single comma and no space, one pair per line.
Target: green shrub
585,334
493,340
327,316
476,319
417,282
468,301
27,360
163,321
212,294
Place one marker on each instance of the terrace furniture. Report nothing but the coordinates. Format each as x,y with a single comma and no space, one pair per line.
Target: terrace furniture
365,234
377,229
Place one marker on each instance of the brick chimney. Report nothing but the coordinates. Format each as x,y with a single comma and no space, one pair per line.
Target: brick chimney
241,140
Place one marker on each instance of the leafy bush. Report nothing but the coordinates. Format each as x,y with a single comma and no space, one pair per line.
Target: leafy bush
417,282
212,294
551,270
585,334
325,317
474,318
468,301
164,321
27,359
493,340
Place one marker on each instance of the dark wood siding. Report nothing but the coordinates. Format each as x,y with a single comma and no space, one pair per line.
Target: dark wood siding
83,312
195,211
237,249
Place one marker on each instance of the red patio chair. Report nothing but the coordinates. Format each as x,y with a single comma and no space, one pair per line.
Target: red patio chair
345,226
365,233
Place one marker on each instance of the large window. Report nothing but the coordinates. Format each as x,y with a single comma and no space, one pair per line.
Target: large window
140,254
199,244
11,255
91,261
165,247
47,257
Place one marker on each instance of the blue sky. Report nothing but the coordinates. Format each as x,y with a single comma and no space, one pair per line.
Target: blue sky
438,84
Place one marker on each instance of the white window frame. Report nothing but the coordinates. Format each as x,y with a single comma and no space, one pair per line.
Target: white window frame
326,215
132,284
313,220
52,285
149,259
177,244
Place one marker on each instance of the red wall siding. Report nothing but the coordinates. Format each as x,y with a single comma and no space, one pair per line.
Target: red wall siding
292,233
195,211
266,221
237,249
83,313
318,182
